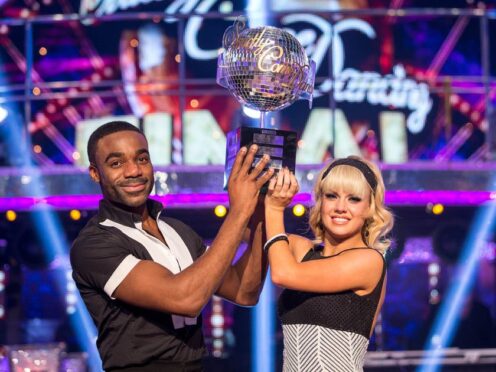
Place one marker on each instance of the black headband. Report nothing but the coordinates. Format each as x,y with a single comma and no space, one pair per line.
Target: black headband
360,165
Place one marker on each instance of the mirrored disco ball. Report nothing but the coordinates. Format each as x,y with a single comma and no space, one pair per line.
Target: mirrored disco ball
265,68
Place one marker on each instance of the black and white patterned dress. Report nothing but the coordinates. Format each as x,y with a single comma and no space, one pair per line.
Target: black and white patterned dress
326,332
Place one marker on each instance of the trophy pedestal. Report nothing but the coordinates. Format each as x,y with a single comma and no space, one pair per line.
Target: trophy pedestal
279,144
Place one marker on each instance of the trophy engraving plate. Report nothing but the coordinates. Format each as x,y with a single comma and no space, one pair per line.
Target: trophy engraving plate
281,145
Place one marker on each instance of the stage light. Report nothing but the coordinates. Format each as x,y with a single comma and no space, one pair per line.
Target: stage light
51,109
177,58
71,297
475,116
464,107
37,149
134,43
75,215
226,7
96,77
71,286
3,114
299,210
43,51
428,207
11,216
218,343
217,322
220,211
433,269
76,155
437,209
434,296
194,103
217,332
108,71
36,91
433,281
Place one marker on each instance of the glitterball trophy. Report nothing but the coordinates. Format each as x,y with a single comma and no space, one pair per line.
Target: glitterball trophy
266,69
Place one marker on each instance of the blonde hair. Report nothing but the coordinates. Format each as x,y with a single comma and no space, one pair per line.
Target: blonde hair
352,180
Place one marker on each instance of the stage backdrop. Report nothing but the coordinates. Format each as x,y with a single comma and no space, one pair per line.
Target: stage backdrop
392,85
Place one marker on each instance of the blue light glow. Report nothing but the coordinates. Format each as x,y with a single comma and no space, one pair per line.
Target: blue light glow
446,322
257,13
3,114
47,226
263,331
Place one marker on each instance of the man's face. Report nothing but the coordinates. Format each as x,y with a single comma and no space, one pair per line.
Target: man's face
123,168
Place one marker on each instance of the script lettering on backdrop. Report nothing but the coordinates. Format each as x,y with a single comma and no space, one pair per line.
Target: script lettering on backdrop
351,85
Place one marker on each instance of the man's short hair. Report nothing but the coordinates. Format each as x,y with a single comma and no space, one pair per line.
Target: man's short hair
105,130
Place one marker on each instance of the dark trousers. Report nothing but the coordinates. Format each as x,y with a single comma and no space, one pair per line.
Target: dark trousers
163,365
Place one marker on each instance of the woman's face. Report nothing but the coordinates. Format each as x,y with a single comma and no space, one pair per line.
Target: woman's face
343,215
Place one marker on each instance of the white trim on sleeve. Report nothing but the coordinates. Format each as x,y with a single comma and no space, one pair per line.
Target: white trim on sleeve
124,268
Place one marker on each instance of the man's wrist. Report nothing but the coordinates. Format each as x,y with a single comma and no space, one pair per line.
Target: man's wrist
238,218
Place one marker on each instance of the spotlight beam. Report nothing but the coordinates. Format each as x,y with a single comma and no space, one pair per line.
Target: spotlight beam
49,231
263,330
447,319
3,114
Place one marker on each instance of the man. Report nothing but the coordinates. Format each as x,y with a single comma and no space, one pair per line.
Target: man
145,278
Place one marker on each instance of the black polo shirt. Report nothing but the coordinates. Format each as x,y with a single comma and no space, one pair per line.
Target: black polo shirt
103,254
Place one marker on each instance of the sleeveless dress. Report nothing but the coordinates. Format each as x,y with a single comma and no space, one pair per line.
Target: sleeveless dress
327,331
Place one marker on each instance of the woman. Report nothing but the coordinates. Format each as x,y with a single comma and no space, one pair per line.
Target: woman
335,285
